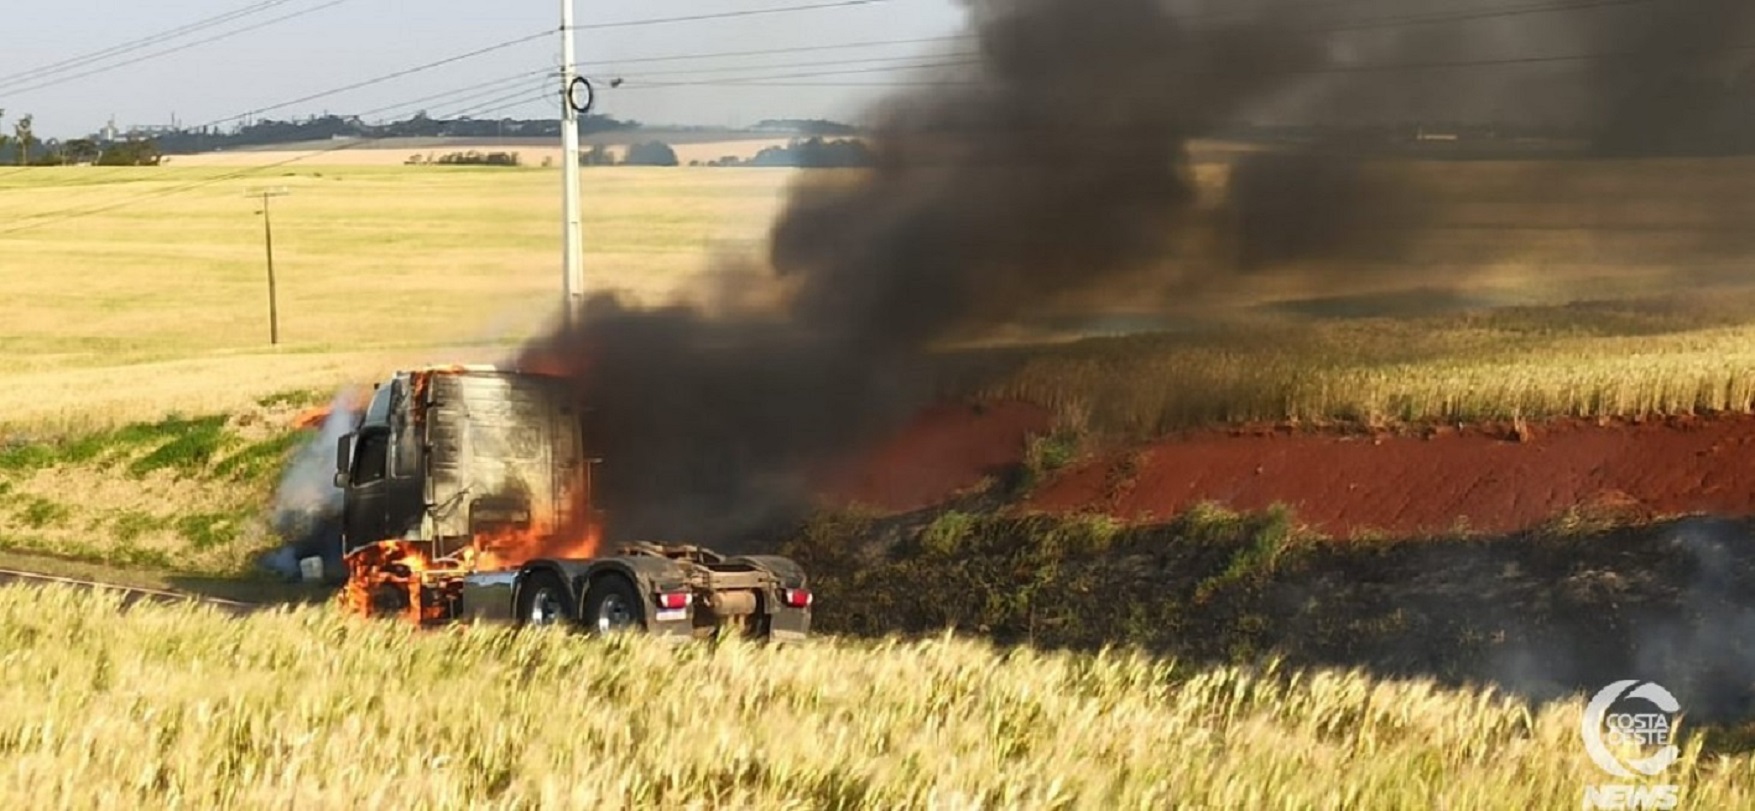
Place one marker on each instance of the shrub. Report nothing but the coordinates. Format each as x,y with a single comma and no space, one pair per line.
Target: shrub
653,153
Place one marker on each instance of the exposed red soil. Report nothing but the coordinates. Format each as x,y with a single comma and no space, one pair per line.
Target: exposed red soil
1482,478
946,449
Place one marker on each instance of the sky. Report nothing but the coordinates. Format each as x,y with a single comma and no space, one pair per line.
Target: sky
328,44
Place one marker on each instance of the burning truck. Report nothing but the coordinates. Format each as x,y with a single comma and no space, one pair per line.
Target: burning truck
466,497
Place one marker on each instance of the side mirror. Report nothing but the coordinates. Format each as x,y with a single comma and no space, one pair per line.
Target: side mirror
343,459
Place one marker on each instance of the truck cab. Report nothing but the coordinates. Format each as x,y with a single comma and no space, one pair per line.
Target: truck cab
443,457
466,497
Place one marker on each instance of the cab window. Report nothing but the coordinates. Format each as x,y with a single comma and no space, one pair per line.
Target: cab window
407,454
373,454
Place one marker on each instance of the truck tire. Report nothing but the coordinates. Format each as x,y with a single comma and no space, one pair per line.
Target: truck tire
612,605
543,601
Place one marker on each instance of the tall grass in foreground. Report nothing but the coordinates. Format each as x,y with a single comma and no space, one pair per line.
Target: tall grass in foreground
163,707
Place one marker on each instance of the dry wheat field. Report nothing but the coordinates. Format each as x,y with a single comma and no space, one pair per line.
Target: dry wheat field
131,293
188,708
144,421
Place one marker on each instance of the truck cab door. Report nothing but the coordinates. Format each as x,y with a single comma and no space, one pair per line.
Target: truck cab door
363,513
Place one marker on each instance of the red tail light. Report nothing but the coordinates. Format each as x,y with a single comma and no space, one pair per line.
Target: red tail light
796,598
672,600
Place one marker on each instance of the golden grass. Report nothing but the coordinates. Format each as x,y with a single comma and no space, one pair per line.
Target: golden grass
181,706
1604,361
77,398
160,304
102,515
364,256
184,495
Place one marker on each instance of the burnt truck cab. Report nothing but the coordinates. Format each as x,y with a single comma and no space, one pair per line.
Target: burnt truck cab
466,497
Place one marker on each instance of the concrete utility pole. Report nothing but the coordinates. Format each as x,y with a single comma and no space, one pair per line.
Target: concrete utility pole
268,239
575,99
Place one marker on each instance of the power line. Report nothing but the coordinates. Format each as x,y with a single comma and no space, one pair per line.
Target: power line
967,58
494,104
774,51
31,222
1420,18
725,15
1360,25
178,49
1482,14
376,80
543,95
522,100
389,76
493,85
1510,61
43,72
777,80
805,75
453,96
136,44
534,36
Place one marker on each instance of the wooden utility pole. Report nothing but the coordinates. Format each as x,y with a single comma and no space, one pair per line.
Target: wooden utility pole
268,241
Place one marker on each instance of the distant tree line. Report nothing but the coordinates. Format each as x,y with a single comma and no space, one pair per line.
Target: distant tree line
23,148
127,153
806,126
811,153
469,158
330,127
650,153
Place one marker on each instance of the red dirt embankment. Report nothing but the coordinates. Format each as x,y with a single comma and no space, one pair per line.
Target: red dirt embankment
945,449
1482,478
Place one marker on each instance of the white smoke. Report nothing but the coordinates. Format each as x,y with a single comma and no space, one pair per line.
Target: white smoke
307,504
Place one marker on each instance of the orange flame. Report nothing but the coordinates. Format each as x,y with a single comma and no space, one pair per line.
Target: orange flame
314,417
399,578
511,548
396,577
311,418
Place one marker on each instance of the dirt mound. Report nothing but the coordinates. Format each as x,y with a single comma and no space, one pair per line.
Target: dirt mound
1491,479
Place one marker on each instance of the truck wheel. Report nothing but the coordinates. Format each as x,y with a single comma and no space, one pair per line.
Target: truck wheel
543,601
612,605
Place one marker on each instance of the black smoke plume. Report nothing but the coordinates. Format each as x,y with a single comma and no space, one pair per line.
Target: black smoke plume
1680,81
1061,167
